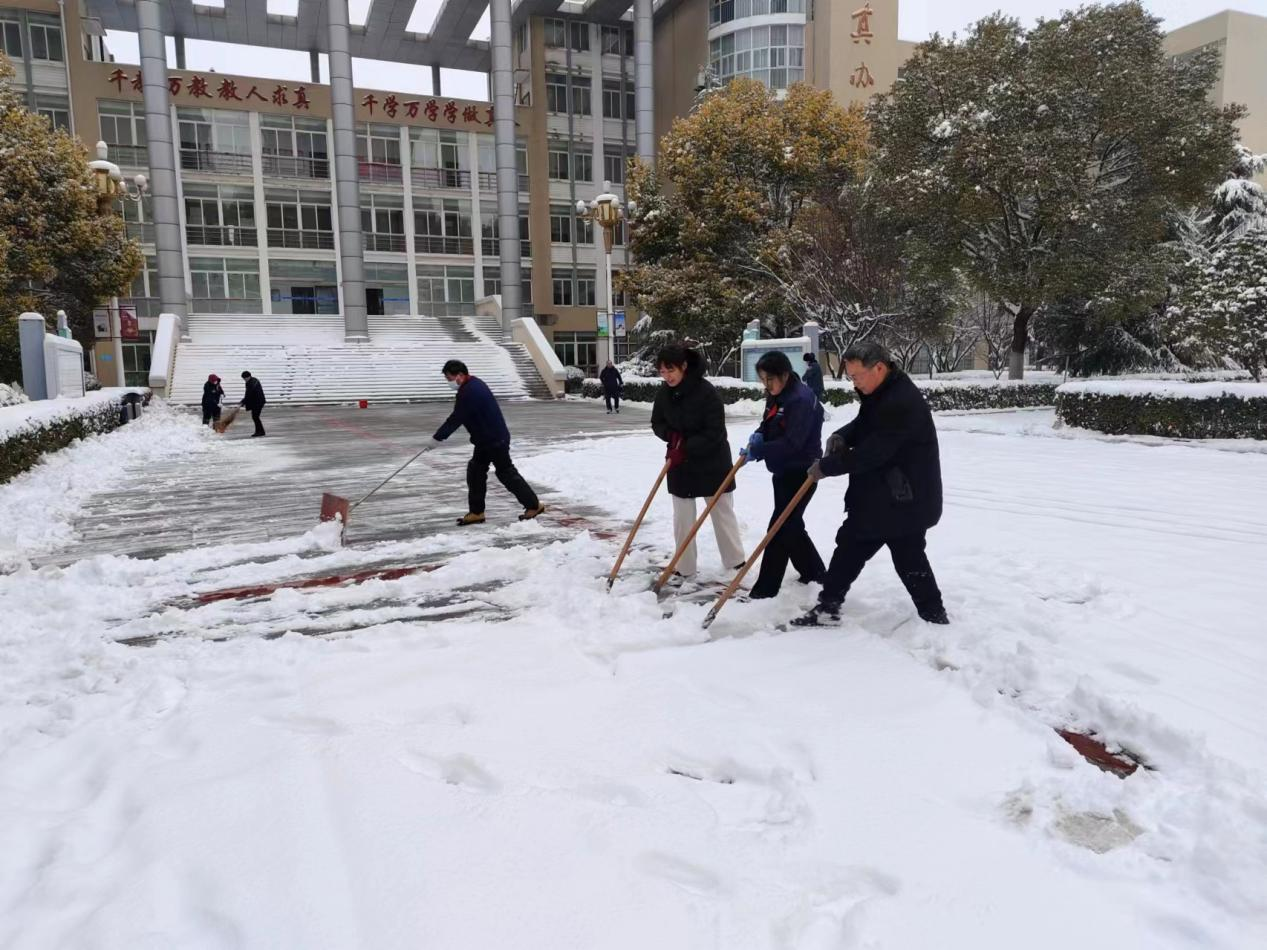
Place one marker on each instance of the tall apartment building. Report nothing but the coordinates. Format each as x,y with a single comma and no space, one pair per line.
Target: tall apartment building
257,180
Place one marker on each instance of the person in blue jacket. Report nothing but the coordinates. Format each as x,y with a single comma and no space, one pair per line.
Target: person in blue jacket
476,409
789,441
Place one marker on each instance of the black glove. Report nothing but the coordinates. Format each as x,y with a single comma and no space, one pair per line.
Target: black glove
835,444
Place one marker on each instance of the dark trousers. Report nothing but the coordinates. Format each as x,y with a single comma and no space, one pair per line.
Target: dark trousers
210,415
611,398
255,417
792,543
507,474
852,554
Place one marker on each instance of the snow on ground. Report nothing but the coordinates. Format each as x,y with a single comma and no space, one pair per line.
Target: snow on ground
571,768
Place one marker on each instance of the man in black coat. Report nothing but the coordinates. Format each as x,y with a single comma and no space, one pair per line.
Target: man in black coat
813,377
253,402
476,409
612,382
890,454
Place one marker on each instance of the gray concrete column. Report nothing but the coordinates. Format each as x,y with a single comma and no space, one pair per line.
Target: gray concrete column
347,184
507,171
435,80
164,203
314,66
180,51
644,88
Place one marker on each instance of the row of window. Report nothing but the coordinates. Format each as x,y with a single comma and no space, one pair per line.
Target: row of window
724,11
563,97
44,38
561,34
773,55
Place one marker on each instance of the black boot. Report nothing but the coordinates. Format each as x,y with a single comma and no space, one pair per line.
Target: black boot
936,616
818,616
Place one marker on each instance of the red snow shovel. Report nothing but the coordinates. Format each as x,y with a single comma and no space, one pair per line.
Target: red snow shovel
336,506
769,536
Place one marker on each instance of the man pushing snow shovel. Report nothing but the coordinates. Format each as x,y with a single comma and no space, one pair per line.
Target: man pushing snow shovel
476,409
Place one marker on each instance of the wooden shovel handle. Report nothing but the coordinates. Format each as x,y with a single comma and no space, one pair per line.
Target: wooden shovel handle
769,536
699,523
611,578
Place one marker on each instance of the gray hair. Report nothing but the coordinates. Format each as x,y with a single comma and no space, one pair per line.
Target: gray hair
868,354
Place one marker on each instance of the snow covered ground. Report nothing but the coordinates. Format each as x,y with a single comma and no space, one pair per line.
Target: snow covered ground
540,764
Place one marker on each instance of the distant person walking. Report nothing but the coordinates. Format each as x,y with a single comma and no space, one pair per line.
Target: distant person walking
253,402
813,377
476,409
212,397
890,454
612,383
689,415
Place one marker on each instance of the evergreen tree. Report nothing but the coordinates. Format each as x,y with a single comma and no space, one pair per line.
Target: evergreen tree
56,252
1225,305
1044,162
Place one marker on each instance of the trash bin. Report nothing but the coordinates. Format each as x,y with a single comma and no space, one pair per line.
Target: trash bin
129,407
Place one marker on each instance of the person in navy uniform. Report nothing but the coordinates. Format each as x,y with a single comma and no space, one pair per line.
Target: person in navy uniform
789,441
476,410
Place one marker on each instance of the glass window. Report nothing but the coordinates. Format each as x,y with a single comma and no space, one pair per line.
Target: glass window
585,287
11,39
561,225
580,36
561,280
555,33
46,42
615,162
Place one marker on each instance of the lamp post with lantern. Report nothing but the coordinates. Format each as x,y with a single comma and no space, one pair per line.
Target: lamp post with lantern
607,211
111,186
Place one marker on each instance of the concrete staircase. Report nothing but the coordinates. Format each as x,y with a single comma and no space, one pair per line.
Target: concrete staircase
304,359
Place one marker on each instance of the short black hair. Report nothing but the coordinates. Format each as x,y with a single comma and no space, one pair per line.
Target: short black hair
775,363
246,374
810,358
868,354
672,355
455,368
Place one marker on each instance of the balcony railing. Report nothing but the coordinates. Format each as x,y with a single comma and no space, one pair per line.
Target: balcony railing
304,240
381,172
140,231
222,236
129,156
227,163
296,166
441,177
488,181
227,305
525,183
492,247
430,244
384,242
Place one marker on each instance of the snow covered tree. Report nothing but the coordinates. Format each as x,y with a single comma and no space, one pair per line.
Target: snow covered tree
1225,306
1044,162
733,179
56,252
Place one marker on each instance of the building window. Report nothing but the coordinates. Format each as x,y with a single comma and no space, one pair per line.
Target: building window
561,225
773,55
584,231
299,220
617,40
294,148
225,285
136,359
559,32
577,349
215,140
220,216
613,97
581,166
442,226
724,11
615,162
557,94
122,123
561,281
11,39
586,286
446,290
56,109
46,42
383,222
521,37
303,287
556,33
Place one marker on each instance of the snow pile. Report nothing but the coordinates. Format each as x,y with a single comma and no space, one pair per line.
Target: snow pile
11,395
27,416
37,508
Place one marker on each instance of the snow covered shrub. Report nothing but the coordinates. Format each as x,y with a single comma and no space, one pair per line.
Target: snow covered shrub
951,396
11,395
25,439
1170,409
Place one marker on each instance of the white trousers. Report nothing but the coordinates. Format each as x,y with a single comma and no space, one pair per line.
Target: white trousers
725,528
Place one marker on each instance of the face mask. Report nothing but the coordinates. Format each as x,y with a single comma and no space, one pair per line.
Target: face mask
453,384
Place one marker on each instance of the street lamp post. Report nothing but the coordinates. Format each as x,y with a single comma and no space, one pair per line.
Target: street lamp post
111,187
607,210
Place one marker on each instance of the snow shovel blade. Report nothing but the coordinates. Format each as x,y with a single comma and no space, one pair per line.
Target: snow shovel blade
334,506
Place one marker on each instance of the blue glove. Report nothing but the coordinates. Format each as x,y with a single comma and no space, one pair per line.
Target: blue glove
756,446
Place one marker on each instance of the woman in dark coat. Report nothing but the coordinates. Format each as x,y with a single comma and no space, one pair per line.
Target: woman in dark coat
212,395
789,441
689,416
612,382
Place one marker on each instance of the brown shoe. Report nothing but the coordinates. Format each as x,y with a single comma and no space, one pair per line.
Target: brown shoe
530,513
469,519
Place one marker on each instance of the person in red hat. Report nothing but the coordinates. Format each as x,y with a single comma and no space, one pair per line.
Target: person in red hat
212,396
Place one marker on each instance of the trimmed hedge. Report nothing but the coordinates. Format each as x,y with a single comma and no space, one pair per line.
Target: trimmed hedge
22,450
1164,413
940,398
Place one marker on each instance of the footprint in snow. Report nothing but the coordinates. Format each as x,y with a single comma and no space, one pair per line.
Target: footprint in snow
458,769
693,878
